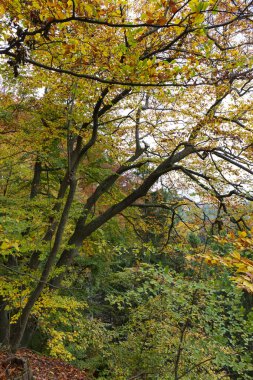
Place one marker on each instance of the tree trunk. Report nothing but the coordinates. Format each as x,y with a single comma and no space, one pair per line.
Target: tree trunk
15,368
4,324
36,179
20,327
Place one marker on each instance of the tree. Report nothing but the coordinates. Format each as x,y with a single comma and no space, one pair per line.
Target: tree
166,84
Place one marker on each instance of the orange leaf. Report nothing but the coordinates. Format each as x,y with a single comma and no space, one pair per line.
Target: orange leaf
162,21
173,6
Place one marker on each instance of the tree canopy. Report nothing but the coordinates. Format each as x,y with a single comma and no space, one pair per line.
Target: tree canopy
103,104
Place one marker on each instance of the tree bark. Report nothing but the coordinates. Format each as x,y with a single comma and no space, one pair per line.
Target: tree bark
23,371
36,179
4,324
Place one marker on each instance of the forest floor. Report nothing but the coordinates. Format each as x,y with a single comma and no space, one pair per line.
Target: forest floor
42,367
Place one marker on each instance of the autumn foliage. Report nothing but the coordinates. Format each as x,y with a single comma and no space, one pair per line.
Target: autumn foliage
126,139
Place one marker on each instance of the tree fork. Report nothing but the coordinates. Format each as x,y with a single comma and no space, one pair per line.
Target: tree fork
75,159
82,230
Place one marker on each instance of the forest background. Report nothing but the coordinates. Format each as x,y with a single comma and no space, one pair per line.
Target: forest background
126,177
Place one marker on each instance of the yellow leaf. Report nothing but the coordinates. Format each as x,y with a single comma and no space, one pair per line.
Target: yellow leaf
236,255
15,245
5,245
199,18
89,10
2,10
